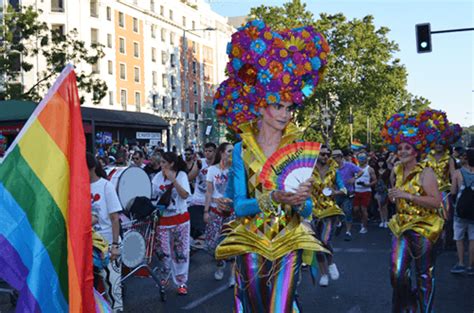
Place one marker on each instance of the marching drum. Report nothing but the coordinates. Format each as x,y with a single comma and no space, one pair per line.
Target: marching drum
130,182
133,249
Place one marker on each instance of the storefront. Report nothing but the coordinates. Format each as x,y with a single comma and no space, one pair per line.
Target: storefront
100,126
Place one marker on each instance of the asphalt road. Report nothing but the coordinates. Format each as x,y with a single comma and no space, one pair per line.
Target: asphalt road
364,285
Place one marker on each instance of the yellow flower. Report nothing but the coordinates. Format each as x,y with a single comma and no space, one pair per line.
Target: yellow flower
305,34
295,43
268,35
283,53
262,61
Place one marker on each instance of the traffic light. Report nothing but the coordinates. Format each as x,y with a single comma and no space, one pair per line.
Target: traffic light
423,38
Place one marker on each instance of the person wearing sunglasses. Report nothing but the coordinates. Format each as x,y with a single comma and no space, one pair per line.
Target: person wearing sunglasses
137,159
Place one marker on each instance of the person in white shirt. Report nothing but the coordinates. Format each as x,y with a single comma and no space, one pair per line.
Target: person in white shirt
106,206
363,190
214,217
171,188
196,201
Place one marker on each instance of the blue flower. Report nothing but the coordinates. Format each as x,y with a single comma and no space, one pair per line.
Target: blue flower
259,46
264,77
272,97
315,63
229,48
235,94
258,23
409,131
307,90
237,64
288,65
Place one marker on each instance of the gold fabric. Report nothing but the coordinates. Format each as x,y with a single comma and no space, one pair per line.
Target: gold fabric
424,221
441,169
324,206
271,233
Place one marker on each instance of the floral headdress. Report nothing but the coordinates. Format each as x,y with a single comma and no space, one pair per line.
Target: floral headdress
268,67
419,130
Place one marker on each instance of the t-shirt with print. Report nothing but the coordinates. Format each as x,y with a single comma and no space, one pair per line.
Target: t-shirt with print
177,204
348,171
219,179
200,185
104,202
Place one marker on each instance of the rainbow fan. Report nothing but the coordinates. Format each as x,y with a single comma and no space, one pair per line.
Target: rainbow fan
291,165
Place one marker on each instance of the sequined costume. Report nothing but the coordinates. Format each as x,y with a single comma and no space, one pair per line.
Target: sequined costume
441,169
416,230
268,243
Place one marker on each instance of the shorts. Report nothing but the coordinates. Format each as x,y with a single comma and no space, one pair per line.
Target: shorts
461,227
362,199
345,203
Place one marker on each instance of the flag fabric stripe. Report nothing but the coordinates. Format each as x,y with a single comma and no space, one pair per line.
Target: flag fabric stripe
42,280
49,224
54,118
52,168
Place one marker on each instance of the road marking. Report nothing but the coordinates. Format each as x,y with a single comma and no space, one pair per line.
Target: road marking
361,250
213,293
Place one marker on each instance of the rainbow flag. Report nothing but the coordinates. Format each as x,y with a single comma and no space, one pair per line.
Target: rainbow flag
45,220
356,145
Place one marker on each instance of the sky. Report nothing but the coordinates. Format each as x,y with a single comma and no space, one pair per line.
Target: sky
445,76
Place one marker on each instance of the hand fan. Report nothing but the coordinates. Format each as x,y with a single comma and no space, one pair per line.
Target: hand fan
290,166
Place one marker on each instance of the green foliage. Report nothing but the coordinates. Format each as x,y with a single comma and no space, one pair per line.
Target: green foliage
25,38
362,73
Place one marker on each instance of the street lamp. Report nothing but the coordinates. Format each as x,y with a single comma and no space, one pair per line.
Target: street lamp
186,82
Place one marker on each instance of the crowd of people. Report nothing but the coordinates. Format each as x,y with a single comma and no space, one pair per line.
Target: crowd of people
214,201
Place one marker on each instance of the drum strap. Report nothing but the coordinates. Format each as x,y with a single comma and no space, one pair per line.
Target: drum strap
174,220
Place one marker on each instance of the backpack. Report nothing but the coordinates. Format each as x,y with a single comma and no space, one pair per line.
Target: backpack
465,201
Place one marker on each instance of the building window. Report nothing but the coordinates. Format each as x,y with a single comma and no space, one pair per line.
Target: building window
57,5
195,109
96,68
109,14
58,29
152,5
111,97
184,21
172,60
153,54
123,71
195,89
110,65
135,25
164,80
138,99
163,34
172,36
153,31
193,23
109,40
122,45
136,50
163,103
94,36
163,57
162,10
173,104
154,101
136,74
94,8
173,82
123,98
171,14
194,67
121,20
154,78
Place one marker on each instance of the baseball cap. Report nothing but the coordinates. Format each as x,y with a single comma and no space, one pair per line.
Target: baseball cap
337,152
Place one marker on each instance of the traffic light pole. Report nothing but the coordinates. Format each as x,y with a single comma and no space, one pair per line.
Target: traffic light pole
452,30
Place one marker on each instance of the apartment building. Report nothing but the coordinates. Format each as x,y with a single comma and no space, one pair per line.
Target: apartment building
162,57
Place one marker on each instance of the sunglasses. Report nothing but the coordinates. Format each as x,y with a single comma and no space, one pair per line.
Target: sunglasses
324,154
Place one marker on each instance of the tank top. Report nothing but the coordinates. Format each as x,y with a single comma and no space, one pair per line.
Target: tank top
365,178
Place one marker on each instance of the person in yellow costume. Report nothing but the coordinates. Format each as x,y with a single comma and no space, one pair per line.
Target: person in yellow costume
417,224
327,183
270,73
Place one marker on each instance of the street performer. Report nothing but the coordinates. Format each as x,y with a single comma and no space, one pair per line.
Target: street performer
270,73
417,224
327,184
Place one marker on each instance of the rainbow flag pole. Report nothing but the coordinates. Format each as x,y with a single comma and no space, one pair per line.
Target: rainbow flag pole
45,224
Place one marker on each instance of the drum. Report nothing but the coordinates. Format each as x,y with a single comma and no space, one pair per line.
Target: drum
130,182
133,249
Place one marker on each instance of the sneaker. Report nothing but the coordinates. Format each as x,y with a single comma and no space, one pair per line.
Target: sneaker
363,230
348,236
324,281
182,290
198,244
470,271
232,280
333,272
385,225
458,269
382,224
219,273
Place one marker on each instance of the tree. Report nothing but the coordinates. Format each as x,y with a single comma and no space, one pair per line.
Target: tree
24,37
362,73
